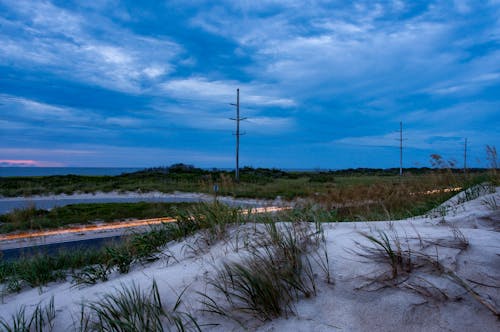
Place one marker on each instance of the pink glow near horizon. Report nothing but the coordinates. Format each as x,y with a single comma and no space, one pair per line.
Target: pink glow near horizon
30,163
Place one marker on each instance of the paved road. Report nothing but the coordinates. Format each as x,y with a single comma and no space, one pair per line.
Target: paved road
13,246
54,248
8,204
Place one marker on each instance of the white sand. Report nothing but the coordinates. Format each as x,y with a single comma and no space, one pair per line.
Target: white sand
339,306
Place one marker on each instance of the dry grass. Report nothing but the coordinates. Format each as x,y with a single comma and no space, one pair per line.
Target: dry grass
275,271
130,309
385,200
412,268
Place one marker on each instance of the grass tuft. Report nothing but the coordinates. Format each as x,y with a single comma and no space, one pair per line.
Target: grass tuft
132,310
275,272
40,320
388,250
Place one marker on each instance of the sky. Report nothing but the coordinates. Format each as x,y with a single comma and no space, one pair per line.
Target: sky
323,84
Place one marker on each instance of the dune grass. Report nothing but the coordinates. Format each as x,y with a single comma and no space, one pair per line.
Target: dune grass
92,265
130,309
351,195
41,269
413,265
376,201
41,319
274,272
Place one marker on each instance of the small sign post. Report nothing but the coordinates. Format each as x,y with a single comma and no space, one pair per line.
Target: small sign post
216,190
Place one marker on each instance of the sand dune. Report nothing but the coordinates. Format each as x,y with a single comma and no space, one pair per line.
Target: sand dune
453,285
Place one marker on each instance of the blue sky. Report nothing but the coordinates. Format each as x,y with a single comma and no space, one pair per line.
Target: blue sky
324,84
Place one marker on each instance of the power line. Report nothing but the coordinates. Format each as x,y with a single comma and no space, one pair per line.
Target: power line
401,148
238,134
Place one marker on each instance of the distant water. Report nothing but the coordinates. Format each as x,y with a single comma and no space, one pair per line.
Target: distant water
45,171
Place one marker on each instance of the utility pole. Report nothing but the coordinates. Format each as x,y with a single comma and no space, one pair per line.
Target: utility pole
465,156
401,148
238,134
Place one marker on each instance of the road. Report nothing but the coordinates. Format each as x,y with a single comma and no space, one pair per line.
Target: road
18,244
8,204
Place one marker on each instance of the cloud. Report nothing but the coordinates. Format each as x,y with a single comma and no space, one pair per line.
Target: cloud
109,156
155,71
462,6
24,109
165,73
223,91
42,122
466,86
360,50
210,120
424,140
45,151
90,49
124,121
464,115
29,163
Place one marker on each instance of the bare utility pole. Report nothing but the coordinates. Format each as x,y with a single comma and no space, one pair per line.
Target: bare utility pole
401,148
238,134
465,156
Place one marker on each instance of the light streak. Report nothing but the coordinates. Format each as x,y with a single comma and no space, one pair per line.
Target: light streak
157,221
119,225
437,191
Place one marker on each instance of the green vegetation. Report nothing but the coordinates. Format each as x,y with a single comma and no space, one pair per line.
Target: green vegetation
89,266
41,319
350,202
345,195
275,272
325,197
255,182
33,219
131,309
348,195
40,269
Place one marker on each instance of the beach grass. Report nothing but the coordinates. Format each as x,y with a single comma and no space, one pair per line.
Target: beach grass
275,272
142,247
130,308
38,320
369,197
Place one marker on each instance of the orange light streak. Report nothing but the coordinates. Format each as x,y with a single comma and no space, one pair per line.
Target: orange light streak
79,229
119,225
437,191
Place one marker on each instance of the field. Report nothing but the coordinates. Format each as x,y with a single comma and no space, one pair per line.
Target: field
278,262
254,182
348,195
